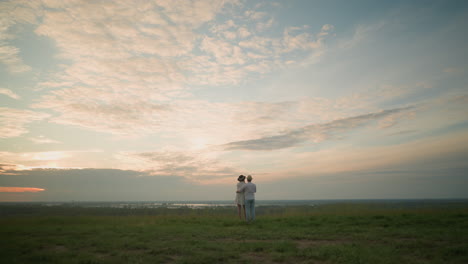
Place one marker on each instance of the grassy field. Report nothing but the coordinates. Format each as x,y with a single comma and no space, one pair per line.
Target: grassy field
335,233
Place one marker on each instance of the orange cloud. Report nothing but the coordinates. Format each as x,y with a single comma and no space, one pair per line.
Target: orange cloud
20,189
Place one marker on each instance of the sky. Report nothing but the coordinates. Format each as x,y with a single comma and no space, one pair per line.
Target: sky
172,100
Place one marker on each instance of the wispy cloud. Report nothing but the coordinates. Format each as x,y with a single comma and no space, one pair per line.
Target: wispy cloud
122,116
315,132
454,70
362,33
198,167
403,132
43,140
9,93
13,122
218,123
13,13
9,56
7,169
19,161
124,61
431,153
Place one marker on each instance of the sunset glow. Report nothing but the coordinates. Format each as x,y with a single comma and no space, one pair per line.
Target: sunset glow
20,189
172,100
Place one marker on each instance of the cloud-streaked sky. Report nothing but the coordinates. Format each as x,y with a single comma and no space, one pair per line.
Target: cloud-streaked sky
172,100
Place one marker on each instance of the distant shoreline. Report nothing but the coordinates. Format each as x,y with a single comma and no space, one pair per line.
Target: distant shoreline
228,203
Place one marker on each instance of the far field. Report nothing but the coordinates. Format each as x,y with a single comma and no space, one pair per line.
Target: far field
334,233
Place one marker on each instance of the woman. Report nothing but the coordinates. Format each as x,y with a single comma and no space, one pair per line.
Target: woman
240,200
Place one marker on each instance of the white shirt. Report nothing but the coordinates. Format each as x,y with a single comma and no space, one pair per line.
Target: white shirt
249,190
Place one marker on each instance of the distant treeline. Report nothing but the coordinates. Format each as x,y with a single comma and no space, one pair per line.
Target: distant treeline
67,210
352,208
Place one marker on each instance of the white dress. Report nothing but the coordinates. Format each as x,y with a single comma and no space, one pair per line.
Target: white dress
240,196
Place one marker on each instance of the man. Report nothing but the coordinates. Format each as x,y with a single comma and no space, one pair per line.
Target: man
249,190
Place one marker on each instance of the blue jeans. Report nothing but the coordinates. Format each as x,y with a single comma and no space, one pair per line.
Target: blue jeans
250,210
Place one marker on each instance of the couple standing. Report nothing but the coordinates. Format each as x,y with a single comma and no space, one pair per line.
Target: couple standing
245,197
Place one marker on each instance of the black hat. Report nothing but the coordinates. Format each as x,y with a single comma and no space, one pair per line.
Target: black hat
241,178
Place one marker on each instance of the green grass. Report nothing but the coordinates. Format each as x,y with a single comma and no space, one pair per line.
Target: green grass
340,233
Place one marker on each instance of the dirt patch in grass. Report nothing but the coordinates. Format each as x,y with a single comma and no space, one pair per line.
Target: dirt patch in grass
58,249
174,259
134,251
301,244
258,258
101,256
229,240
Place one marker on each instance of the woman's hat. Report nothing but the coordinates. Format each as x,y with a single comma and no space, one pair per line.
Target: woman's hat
241,178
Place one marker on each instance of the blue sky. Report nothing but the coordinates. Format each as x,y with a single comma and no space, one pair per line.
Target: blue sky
172,100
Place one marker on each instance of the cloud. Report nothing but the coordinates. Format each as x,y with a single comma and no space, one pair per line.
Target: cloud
9,93
436,153
218,123
9,56
18,161
263,26
255,15
315,132
384,93
193,13
243,33
198,167
7,169
453,70
123,61
403,132
419,156
20,189
202,166
13,122
223,52
226,26
49,155
116,114
457,100
361,33
297,41
12,13
108,185
43,140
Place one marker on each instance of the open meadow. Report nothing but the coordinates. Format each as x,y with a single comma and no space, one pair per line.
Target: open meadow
332,233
